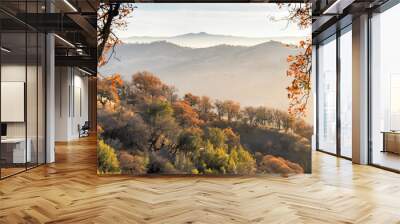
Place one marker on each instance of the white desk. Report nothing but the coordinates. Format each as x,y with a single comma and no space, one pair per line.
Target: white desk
19,155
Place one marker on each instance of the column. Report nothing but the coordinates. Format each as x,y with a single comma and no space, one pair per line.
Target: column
360,90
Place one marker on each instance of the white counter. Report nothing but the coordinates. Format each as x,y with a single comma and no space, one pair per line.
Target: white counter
19,154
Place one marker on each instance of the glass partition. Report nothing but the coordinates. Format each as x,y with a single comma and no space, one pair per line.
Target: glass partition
327,95
41,97
346,93
31,98
385,90
22,77
13,115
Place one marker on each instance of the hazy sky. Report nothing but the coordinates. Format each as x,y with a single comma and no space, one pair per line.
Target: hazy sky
238,19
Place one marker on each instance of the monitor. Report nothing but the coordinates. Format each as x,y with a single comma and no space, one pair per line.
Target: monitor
3,129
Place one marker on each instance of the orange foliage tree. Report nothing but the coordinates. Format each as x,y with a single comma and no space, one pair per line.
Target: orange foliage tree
272,164
108,89
147,85
299,91
186,115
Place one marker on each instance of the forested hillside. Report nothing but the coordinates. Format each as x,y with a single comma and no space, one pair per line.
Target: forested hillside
146,127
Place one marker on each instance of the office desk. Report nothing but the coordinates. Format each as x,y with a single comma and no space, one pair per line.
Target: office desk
13,150
391,141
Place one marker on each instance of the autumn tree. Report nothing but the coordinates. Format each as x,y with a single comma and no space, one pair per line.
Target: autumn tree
299,91
170,93
287,121
163,129
232,139
128,128
276,117
191,99
250,114
269,116
260,115
232,109
303,129
185,115
190,140
149,86
109,89
205,109
220,108
215,136
111,16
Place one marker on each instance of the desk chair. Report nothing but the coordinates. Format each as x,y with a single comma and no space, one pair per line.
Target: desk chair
84,130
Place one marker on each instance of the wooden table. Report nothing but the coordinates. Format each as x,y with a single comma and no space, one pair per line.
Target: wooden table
391,141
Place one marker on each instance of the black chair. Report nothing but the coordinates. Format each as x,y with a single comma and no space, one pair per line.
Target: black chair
84,130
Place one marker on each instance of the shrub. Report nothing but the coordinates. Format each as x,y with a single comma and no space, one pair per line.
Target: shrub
133,164
190,140
107,161
184,163
216,136
158,164
245,164
272,164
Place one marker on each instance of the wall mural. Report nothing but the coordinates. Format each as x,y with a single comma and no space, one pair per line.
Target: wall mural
206,89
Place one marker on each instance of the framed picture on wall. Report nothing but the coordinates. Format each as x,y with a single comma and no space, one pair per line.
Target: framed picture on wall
206,89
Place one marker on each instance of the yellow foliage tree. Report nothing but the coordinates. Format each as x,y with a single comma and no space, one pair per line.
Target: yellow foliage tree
107,162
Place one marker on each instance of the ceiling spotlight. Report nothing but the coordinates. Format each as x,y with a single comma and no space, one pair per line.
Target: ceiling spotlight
337,7
84,71
64,40
70,5
5,50
79,51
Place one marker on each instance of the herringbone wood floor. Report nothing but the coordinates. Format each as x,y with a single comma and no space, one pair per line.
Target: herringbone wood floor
69,191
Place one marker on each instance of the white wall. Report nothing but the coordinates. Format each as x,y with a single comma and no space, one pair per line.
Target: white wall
12,73
16,73
62,81
71,102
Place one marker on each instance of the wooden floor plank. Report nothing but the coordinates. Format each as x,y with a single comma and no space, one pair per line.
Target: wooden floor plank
69,191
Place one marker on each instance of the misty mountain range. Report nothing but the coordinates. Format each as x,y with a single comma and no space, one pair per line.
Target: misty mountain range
252,75
202,39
